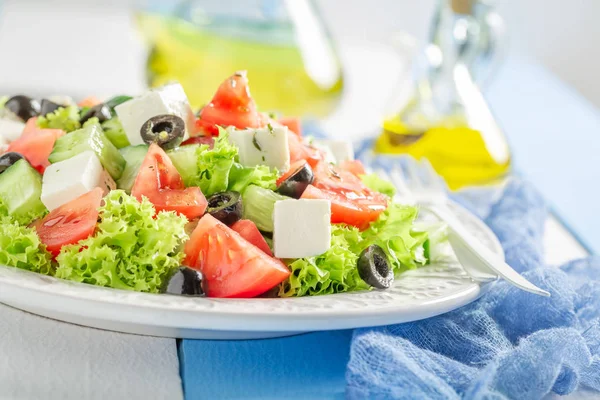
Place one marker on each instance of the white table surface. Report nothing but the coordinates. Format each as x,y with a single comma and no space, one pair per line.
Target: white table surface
55,360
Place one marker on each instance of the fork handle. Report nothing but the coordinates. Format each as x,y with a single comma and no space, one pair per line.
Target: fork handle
481,252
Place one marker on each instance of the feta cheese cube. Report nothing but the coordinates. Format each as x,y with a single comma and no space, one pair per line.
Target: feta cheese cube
169,99
66,180
11,130
262,146
302,228
341,150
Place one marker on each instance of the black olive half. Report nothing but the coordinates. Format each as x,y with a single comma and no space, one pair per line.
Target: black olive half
24,107
165,130
226,207
374,267
100,111
48,106
8,159
184,281
296,183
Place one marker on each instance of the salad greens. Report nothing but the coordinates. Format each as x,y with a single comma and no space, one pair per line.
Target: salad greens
132,248
65,118
335,271
3,100
20,247
378,184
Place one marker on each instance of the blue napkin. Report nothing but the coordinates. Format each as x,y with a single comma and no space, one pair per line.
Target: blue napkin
509,344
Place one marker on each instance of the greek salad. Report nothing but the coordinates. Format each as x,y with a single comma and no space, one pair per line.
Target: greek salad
141,193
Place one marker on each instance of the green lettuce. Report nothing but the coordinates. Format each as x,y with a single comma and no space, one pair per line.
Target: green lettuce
21,247
132,248
3,100
374,182
65,118
218,169
335,271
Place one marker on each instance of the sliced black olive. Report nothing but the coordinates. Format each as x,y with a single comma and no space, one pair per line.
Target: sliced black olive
184,281
165,130
24,107
374,267
48,106
295,184
226,207
8,159
100,111
115,101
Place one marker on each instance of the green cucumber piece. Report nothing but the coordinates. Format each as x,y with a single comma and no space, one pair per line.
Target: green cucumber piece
20,192
115,133
185,160
89,138
134,156
258,206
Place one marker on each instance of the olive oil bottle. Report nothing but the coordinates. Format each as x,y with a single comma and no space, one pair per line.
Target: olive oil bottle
283,45
448,121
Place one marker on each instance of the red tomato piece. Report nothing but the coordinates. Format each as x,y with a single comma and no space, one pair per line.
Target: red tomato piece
352,202
231,266
302,151
36,146
248,230
354,166
159,181
232,105
293,123
71,222
208,140
30,127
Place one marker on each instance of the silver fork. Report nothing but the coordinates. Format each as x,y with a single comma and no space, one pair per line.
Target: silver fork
420,184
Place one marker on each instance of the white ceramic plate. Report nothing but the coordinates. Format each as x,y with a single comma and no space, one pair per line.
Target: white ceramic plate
417,294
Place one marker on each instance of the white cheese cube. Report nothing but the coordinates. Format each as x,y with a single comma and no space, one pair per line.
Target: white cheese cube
11,130
66,180
262,146
169,99
302,228
340,149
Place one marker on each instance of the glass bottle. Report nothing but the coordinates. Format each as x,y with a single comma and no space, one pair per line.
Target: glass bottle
447,119
284,45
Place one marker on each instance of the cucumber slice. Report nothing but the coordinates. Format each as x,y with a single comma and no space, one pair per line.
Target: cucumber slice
185,159
20,192
90,138
134,156
258,206
115,133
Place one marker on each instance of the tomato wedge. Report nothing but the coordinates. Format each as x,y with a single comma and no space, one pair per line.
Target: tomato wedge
248,230
231,266
293,123
71,222
352,202
300,151
354,166
232,105
159,181
36,145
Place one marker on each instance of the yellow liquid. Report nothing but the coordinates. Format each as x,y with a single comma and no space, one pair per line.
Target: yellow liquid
201,60
459,154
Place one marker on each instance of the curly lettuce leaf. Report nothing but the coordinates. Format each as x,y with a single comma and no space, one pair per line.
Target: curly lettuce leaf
335,271
132,248
374,182
214,165
241,177
332,272
21,247
65,118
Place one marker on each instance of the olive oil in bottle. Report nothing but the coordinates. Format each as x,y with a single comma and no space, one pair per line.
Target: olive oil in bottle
283,45
448,120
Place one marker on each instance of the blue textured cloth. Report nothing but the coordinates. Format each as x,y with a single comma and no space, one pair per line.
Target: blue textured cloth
509,344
